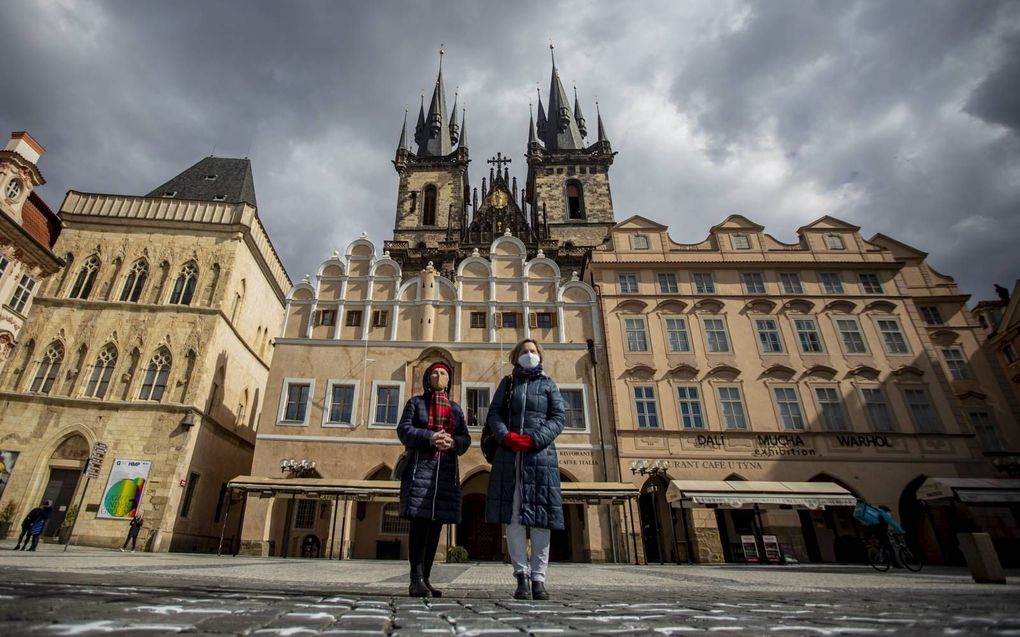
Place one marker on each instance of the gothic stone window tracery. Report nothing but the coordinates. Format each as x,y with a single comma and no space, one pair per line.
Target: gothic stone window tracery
135,281
86,278
154,384
184,287
49,368
102,371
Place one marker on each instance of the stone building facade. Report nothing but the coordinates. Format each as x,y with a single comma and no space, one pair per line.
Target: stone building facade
1000,329
156,340
356,342
28,230
743,358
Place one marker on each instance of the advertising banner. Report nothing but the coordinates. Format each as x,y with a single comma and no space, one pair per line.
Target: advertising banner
124,488
7,461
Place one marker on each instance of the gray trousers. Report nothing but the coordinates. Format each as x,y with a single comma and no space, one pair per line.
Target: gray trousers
517,544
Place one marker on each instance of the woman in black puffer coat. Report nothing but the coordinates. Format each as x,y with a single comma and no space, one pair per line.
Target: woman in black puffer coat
526,416
434,433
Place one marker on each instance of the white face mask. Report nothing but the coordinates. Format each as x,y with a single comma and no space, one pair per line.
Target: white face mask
529,360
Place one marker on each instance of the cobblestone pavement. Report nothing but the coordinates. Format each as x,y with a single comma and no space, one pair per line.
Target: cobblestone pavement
102,592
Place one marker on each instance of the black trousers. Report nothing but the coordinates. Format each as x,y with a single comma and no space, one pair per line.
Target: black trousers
132,537
423,540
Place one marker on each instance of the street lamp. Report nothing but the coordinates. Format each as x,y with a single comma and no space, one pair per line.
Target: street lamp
654,469
297,468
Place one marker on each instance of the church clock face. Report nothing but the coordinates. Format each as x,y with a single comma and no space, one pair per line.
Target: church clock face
498,199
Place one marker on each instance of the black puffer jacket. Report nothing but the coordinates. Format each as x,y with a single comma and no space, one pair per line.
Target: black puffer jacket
536,408
430,488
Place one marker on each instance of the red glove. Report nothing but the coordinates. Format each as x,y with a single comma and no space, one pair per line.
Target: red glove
518,442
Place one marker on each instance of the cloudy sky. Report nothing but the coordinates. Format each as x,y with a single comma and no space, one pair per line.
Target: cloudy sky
900,116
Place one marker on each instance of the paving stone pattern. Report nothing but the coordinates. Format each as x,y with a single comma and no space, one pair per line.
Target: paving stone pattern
78,609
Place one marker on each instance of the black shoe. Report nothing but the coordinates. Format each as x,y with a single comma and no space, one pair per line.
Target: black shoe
418,589
523,589
435,591
538,590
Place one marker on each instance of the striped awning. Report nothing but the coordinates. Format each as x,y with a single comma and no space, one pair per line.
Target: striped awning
740,493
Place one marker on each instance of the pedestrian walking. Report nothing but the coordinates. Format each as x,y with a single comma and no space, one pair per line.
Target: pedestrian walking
134,527
26,527
434,433
38,523
526,416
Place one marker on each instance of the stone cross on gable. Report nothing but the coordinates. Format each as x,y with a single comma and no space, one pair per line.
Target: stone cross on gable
500,161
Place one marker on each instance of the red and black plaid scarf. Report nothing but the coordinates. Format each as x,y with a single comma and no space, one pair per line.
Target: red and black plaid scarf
440,414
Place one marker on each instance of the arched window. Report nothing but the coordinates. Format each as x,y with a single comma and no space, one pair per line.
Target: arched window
49,367
428,212
135,281
86,278
102,371
156,374
575,200
184,288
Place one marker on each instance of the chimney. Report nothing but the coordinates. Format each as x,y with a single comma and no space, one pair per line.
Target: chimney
26,146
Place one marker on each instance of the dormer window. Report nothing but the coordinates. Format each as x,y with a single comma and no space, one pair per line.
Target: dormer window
741,242
834,242
13,189
169,194
210,177
639,242
220,198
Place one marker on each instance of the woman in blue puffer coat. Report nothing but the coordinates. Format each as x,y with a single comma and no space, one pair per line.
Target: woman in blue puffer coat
526,415
434,433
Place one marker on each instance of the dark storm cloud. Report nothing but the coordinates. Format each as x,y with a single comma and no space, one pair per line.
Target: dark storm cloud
898,116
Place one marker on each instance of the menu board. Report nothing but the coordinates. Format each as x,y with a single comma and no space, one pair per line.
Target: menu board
750,548
772,550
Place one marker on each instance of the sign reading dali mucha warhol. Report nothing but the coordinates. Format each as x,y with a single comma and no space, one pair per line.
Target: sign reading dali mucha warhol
123,494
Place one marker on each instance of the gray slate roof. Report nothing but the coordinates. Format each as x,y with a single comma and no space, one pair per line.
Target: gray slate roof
233,180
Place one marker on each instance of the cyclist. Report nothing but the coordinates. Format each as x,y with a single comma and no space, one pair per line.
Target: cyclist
887,526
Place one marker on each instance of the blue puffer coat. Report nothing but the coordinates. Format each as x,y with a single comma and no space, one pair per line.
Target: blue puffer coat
539,400
430,487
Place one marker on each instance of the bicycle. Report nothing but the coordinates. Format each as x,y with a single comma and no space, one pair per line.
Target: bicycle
894,552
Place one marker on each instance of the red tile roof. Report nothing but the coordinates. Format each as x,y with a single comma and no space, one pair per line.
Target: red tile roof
39,221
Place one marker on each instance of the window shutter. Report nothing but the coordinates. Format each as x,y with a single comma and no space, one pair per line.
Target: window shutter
532,320
520,319
552,319
318,317
499,319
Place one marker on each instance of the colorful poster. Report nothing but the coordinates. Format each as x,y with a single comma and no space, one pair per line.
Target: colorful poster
7,461
750,548
123,493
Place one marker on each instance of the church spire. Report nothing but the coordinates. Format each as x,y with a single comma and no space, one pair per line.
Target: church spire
435,140
541,114
578,116
561,132
419,127
402,146
602,129
454,128
463,128
532,133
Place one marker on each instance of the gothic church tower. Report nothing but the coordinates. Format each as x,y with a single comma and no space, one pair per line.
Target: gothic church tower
568,182
433,193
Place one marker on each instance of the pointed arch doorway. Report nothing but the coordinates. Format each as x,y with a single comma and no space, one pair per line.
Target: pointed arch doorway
66,464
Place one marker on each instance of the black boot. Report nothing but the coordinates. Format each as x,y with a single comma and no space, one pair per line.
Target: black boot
435,591
417,587
538,590
523,589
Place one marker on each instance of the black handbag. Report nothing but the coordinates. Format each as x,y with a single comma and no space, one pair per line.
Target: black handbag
400,468
488,442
